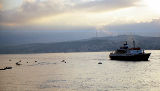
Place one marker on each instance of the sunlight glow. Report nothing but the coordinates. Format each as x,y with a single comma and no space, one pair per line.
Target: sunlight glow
153,4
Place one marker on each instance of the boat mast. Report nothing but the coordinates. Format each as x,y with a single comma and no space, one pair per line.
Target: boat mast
134,44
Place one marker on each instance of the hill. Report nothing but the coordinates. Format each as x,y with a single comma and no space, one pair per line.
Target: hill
87,45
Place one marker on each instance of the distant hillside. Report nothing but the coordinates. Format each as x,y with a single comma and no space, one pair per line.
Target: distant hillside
88,45
18,37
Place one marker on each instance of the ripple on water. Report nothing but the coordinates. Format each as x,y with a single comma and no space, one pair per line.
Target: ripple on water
80,73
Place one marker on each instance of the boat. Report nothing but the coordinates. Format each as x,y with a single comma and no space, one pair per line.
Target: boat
6,68
129,54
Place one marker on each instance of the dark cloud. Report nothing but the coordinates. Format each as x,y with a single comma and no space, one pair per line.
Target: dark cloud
146,28
30,10
34,9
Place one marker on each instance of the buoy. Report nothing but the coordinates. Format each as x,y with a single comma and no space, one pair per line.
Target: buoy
100,63
18,63
63,61
10,60
35,61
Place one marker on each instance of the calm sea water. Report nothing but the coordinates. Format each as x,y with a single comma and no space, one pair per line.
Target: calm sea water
81,72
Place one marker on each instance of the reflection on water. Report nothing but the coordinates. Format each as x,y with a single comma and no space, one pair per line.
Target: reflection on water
43,72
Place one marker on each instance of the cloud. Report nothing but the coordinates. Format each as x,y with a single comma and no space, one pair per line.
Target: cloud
143,28
0,6
31,9
34,9
105,5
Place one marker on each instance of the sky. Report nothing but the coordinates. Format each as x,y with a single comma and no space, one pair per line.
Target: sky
108,16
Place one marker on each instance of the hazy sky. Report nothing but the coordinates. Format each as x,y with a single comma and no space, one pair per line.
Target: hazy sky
102,15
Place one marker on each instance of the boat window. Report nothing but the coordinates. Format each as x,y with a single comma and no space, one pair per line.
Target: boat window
120,51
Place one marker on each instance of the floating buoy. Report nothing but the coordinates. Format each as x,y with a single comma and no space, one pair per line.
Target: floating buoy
10,60
99,62
63,61
18,63
35,61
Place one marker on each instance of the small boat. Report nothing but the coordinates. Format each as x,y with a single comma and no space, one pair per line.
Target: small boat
129,54
3,69
8,68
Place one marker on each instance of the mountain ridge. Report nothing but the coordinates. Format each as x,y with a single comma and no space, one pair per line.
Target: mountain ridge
86,45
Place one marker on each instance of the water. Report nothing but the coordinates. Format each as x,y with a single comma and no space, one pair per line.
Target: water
81,72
